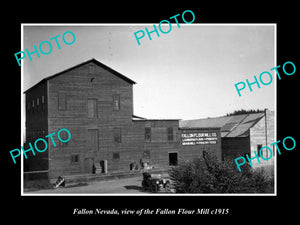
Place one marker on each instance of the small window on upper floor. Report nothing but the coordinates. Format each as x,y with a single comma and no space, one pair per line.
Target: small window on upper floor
37,104
170,134
116,102
92,69
33,109
92,108
62,104
28,107
117,135
148,134
43,102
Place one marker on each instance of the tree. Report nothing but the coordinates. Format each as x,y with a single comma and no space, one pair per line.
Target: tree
244,111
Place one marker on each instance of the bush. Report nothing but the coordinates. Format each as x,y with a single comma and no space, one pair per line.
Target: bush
208,175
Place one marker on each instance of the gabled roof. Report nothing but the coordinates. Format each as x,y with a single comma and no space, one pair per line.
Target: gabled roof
231,126
121,76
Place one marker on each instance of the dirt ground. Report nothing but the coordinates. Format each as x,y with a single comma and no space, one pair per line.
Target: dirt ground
132,185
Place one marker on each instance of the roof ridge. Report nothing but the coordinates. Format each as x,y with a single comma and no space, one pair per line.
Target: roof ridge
116,73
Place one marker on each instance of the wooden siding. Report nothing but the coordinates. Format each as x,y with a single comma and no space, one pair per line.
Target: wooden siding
36,126
235,147
86,88
36,116
262,133
96,106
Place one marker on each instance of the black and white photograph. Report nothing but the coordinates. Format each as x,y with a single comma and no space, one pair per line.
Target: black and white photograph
108,115
149,112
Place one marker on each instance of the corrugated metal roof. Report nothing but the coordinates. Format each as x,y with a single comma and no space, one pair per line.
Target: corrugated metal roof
204,123
242,129
231,126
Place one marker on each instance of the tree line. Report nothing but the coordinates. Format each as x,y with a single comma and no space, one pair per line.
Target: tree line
244,111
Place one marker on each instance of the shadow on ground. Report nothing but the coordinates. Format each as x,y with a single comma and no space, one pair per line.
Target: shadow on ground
133,187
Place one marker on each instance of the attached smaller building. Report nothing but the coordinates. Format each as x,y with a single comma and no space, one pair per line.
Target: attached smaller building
166,144
242,134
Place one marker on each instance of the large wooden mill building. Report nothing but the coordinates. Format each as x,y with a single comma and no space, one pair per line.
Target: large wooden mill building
95,103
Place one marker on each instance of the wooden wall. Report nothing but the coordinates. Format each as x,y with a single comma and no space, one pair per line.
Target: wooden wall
36,126
188,152
233,147
108,131
77,86
262,133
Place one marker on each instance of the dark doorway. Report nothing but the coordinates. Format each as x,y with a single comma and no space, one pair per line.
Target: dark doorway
173,159
103,165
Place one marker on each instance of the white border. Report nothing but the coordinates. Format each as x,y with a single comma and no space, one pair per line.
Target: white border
145,24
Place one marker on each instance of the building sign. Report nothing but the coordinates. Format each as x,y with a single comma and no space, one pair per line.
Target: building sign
199,138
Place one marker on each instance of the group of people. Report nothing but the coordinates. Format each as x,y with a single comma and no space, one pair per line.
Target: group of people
135,166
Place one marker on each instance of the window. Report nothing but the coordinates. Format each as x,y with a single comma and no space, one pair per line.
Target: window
74,158
265,153
148,134
37,104
64,136
93,142
116,155
170,134
257,150
32,106
43,102
159,134
92,69
62,102
28,107
92,108
116,102
117,135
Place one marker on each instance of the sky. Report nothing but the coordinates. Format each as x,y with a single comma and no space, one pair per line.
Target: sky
188,73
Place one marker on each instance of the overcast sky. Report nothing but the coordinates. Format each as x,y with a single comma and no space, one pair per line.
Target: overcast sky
188,73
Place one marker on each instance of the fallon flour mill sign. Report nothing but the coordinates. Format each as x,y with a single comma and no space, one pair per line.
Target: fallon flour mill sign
199,138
